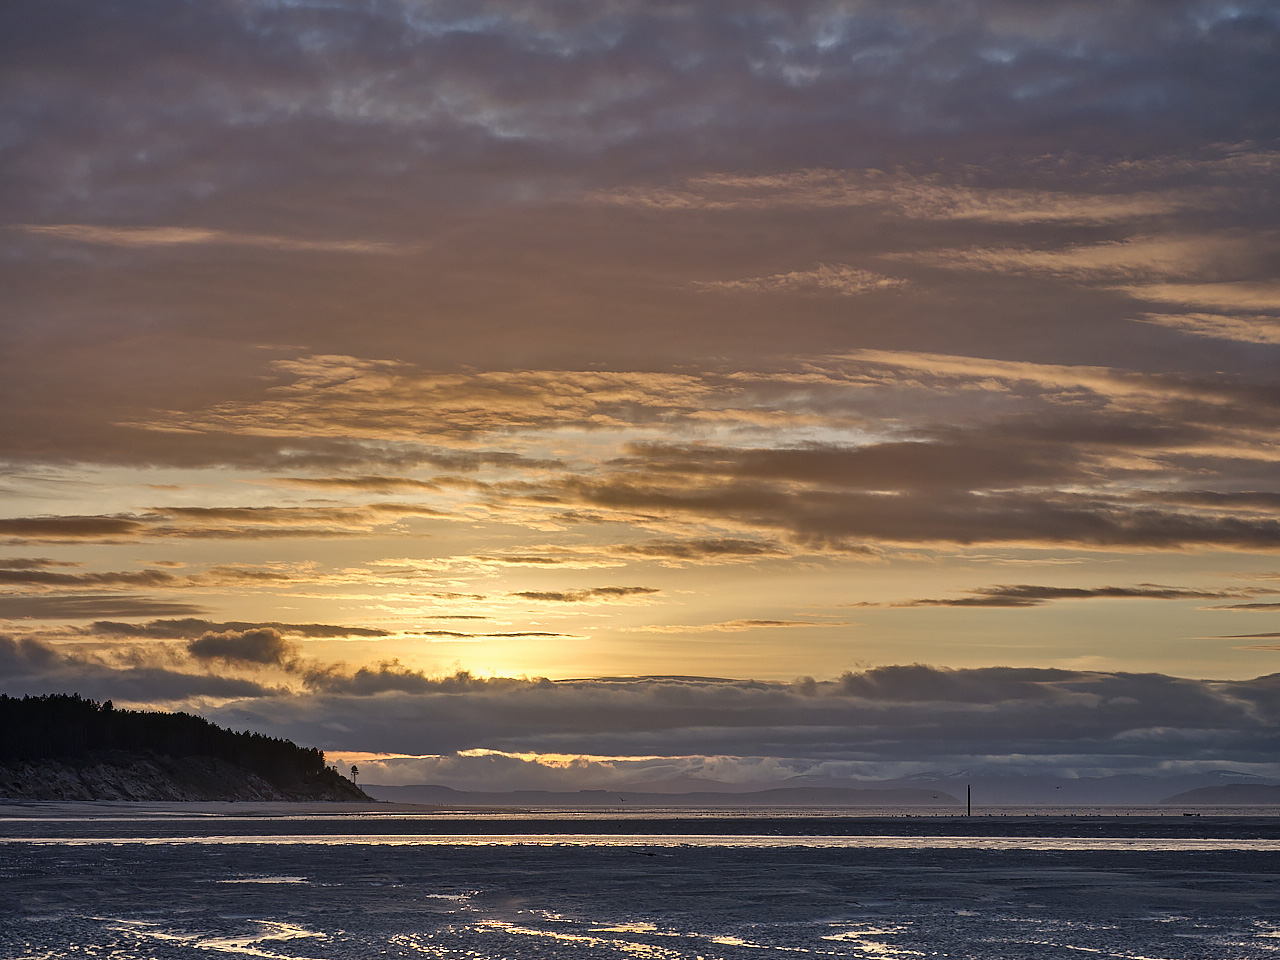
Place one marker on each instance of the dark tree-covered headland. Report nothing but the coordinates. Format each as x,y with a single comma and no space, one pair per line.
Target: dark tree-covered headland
66,747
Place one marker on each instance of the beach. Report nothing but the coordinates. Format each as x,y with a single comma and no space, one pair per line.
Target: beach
334,881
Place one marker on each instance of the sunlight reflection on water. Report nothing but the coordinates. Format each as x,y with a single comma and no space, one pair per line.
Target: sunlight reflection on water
1198,890
1068,844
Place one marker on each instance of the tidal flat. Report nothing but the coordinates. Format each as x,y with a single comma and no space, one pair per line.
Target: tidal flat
351,881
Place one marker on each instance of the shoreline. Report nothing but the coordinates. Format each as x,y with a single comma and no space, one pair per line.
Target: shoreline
278,822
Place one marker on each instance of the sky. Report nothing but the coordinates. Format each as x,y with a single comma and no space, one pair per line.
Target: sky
571,393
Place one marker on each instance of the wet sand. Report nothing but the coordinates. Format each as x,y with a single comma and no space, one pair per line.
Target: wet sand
669,895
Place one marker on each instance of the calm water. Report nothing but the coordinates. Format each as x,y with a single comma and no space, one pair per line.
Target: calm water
186,881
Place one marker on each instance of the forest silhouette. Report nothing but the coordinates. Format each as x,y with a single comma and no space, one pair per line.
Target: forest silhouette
72,729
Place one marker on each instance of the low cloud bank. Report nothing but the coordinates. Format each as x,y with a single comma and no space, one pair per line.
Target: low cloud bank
484,732
732,774
876,722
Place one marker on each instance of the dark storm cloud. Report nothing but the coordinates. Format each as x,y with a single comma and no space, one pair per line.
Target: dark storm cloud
990,481
1247,499
56,529
216,523
844,520
999,479
1028,595
44,580
1059,433
525,560
259,521
47,578
89,606
22,655
191,628
701,549
591,593
1092,420
256,646
882,466
34,563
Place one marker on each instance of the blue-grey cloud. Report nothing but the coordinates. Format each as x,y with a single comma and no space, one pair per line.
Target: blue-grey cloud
258,646
34,667
887,715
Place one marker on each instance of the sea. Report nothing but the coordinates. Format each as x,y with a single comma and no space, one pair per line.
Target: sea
321,881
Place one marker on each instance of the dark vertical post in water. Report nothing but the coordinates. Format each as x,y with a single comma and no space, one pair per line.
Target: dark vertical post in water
968,800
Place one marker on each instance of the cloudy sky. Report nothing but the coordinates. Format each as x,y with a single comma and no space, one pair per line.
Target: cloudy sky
731,390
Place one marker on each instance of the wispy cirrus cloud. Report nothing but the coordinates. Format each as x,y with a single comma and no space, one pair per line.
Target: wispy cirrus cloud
149,237
190,628
993,477
735,626
356,398
700,550
46,579
1264,607
845,521
1032,595
91,607
55,529
922,198
215,523
588,594
1244,328
1111,383
1242,295
501,635
839,278
1139,257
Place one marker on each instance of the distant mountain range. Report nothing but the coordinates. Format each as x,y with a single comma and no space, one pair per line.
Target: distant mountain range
1229,795
779,797
1002,789
929,790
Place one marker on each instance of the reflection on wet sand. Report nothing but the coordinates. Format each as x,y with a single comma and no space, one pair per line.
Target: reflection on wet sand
746,842
185,888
